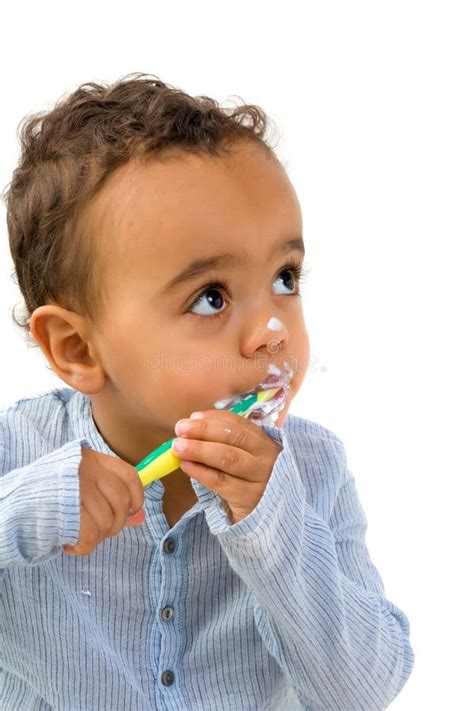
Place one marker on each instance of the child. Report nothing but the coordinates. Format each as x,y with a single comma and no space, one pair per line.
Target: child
242,579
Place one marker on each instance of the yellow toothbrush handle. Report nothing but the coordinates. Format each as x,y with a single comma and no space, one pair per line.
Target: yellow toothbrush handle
157,466
161,466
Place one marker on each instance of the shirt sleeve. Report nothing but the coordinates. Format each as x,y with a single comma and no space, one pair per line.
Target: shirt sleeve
320,605
39,505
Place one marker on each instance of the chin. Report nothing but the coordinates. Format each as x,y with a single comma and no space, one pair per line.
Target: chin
280,421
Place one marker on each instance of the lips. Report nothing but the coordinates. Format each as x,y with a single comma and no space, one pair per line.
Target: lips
265,412
277,378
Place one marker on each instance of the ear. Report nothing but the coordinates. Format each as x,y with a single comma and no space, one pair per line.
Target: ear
64,338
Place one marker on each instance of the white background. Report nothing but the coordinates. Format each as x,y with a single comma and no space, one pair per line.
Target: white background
374,106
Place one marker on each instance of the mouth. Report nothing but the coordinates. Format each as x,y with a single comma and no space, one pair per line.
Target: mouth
267,411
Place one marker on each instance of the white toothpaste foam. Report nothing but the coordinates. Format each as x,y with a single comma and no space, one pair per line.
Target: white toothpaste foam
275,324
266,412
220,404
273,369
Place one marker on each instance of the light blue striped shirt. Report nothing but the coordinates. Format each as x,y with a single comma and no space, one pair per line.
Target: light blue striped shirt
282,610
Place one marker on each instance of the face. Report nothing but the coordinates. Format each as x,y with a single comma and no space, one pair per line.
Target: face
168,349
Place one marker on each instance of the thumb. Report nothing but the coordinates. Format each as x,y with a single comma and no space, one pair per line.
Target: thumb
136,519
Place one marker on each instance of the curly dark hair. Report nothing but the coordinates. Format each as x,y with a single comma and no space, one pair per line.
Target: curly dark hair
68,153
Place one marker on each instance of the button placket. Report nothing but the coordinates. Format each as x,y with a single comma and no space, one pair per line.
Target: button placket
167,612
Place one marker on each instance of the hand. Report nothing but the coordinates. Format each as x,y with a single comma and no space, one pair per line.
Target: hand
229,455
110,490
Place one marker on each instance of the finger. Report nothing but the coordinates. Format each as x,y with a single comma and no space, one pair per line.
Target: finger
98,506
130,478
235,492
119,498
226,415
228,431
89,535
136,519
232,421
229,461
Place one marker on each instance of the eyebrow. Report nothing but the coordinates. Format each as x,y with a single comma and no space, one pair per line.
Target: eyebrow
221,261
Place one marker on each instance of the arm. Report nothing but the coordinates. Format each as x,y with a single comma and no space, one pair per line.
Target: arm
39,505
320,604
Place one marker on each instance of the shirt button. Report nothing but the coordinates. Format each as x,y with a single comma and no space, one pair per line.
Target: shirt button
167,677
169,545
167,613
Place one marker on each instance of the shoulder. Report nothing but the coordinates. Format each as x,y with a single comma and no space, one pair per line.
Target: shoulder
310,435
302,425
320,457
32,426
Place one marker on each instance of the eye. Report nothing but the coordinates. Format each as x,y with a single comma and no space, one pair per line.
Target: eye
210,298
293,274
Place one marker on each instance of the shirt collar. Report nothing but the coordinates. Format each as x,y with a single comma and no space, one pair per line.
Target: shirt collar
82,423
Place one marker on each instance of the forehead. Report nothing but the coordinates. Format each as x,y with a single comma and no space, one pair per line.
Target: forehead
151,218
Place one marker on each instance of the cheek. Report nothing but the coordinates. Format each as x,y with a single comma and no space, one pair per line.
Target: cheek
161,380
298,359
300,354
305,355
180,383
122,358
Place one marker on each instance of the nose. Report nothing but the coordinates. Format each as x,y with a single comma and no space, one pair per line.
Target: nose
267,332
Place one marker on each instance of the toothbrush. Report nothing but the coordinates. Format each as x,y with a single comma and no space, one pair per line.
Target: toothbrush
163,461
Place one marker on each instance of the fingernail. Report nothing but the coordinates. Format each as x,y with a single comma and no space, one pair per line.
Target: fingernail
182,426
136,518
178,445
197,416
